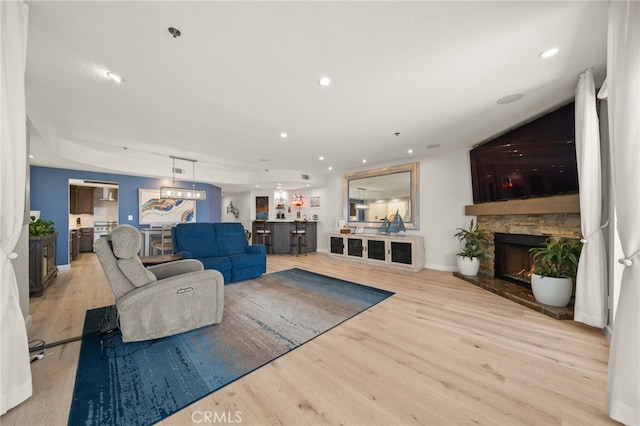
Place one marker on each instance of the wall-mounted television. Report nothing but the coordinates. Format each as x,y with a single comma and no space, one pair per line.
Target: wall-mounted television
537,159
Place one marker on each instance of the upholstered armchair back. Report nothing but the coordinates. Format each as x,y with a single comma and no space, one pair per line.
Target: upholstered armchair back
231,238
118,254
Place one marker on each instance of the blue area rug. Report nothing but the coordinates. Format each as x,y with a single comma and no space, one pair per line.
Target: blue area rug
141,383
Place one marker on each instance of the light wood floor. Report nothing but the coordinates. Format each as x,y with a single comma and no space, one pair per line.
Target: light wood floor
439,352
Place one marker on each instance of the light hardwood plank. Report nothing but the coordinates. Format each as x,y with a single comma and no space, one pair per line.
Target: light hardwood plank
440,351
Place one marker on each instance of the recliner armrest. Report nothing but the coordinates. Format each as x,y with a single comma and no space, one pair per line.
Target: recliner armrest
257,249
163,291
178,267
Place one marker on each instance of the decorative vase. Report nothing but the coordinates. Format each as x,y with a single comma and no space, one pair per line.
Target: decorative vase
468,265
552,291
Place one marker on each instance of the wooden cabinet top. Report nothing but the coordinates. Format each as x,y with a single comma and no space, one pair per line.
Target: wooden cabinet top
394,237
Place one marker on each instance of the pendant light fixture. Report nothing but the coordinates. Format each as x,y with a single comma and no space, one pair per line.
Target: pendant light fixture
363,205
175,193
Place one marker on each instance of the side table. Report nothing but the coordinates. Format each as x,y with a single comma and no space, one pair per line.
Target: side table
157,260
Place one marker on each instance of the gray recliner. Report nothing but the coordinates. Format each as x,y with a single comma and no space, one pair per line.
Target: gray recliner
161,300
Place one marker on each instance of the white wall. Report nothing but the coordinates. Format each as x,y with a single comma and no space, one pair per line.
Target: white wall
240,202
445,188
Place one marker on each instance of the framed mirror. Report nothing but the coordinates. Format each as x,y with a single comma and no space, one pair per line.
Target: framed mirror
373,195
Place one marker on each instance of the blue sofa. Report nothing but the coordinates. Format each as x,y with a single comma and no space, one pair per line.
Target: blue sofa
220,246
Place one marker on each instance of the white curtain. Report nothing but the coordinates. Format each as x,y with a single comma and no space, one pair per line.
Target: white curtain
15,370
591,281
623,83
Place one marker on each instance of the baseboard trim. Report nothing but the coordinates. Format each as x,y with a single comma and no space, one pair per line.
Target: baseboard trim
445,268
608,332
64,267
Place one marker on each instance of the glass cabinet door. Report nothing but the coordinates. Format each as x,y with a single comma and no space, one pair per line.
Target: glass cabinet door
401,253
376,249
354,247
337,245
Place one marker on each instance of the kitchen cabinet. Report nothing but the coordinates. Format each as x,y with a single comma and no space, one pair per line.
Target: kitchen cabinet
74,244
42,262
404,252
81,199
86,240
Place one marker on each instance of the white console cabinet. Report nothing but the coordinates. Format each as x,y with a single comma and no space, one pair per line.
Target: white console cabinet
404,252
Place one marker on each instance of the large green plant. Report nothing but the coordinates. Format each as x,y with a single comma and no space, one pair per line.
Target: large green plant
557,259
475,240
40,227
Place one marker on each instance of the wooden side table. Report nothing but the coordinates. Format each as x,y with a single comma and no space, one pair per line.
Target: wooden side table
157,260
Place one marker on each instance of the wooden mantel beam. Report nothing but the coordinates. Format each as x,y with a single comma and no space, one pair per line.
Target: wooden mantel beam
545,205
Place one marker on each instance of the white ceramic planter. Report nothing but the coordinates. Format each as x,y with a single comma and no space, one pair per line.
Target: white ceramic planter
468,265
552,291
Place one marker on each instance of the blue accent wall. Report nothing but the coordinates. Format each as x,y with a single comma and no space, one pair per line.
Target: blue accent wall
50,194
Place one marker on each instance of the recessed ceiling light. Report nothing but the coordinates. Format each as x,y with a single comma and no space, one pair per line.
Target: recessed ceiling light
321,158
548,53
257,186
410,151
115,77
308,185
324,81
283,135
31,156
330,168
510,98
364,160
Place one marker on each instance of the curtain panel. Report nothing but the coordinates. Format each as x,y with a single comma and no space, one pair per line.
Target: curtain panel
623,84
15,370
591,280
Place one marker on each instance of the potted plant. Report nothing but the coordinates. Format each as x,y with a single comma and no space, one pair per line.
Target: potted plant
555,265
475,241
40,227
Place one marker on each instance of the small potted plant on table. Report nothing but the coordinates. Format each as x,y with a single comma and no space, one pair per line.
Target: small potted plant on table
475,241
555,268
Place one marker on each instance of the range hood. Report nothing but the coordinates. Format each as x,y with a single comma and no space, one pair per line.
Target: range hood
107,194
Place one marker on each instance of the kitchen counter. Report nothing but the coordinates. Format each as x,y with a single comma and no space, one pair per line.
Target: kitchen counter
281,234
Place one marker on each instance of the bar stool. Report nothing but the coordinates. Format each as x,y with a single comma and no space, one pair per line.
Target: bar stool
263,235
166,242
299,237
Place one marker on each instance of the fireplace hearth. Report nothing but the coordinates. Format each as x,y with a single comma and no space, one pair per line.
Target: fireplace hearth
558,217
511,259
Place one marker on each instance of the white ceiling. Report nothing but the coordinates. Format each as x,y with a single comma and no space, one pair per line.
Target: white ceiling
243,72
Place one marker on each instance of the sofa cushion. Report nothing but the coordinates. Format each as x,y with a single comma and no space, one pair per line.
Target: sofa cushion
199,239
221,264
245,260
231,238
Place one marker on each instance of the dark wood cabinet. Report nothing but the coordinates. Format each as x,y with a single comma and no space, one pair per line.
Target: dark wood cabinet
42,262
74,244
81,199
86,240
281,236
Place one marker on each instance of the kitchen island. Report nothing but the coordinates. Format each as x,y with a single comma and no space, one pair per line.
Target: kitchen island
281,234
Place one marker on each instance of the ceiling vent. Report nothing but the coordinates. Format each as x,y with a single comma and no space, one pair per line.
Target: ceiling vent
305,177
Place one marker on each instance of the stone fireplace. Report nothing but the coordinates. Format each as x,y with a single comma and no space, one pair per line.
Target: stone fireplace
512,261
559,225
521,224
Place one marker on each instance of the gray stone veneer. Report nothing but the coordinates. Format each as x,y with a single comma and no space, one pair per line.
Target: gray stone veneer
553,225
